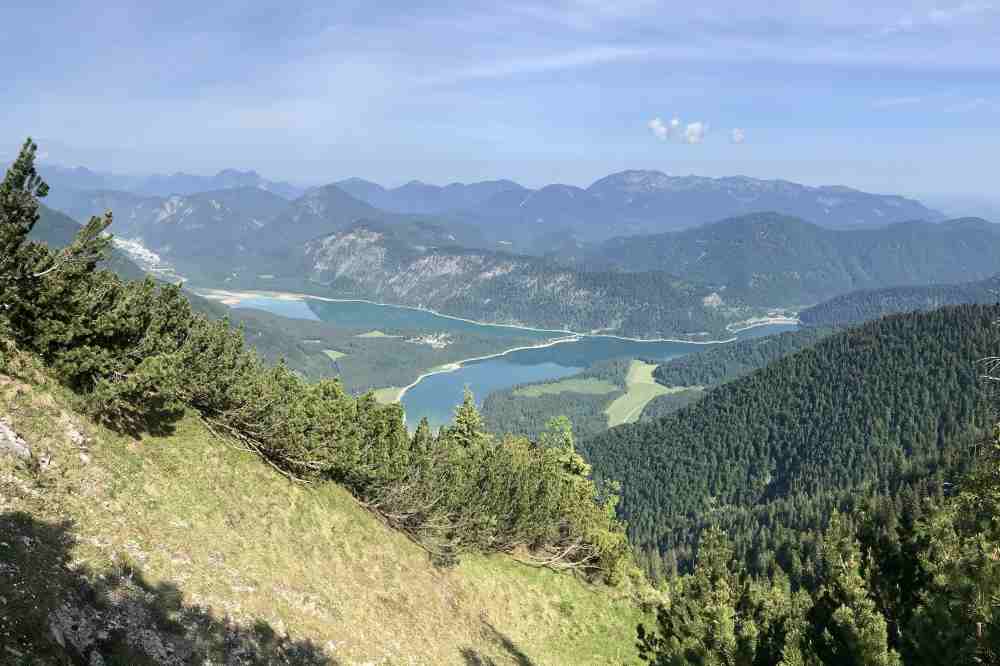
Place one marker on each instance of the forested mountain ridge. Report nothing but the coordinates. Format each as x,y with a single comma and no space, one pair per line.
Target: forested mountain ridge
865,305
866,412
774,259
373,261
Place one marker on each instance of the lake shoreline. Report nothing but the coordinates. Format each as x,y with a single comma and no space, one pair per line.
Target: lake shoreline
232,298
457,365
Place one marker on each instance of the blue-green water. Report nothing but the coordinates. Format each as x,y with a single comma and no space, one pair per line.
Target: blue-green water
436,396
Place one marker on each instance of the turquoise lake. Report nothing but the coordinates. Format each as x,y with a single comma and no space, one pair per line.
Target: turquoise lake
436,396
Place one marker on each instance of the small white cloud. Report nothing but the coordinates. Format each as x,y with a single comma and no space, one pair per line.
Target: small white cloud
675,124
659,129
695,132
737,135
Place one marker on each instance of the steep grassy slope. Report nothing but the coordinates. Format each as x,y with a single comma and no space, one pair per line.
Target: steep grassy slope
196,549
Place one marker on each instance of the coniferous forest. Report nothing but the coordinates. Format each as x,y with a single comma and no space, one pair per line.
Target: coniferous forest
820,510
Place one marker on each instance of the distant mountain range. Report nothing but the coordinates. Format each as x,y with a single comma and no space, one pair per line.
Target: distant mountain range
417,197
633,202
510,216
161,185
484,250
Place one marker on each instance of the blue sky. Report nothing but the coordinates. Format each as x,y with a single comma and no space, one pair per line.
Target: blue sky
886,96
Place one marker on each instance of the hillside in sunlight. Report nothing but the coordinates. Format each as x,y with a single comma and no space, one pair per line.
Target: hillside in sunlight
194,548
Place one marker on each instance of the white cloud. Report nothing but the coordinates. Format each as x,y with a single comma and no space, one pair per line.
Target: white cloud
737,135
691,133
660,130
695,132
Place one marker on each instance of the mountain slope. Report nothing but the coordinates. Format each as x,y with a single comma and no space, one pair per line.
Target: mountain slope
375,261
865,305
867,412
772,259
197,550
57,230
217,223
320,211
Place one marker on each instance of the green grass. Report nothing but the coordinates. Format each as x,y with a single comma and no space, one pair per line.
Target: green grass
640,389
210,527
588,386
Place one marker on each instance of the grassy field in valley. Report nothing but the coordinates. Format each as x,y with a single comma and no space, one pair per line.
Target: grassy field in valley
640,389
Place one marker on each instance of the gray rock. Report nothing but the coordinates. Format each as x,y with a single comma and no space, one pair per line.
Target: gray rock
11,443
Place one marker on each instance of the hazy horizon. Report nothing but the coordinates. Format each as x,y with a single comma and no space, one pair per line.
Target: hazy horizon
537,92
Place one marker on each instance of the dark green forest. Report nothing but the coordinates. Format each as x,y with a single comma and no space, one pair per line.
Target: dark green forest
875,412
865,305
722,363
820,511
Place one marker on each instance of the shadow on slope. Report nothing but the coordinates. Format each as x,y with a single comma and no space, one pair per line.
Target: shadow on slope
56,611
474,658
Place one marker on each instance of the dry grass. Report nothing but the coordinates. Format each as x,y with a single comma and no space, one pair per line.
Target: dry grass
240,540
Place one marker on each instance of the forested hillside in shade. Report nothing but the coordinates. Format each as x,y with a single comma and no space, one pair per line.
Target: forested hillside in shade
860,306
722,363
776,260
876,411
700,372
